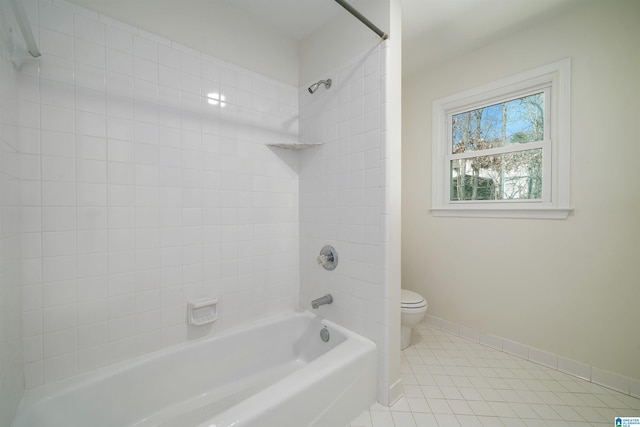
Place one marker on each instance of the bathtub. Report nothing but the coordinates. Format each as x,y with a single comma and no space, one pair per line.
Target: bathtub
275,373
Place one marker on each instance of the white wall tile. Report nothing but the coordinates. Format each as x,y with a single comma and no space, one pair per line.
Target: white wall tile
123,204
91,124
121,349
119,151
92,289
31,245
120,129
59,367
89,77
59,318
91,100
91,194
32,349
58,243
169,56
56,68
89,53
119,62
55,18
92,241
145,70
30,193
91,218
119,38
58,193
190,83
190,62
92,357
88,147
58,168
57,94
57,119
15,348
145,48
31,275
341,201
93,171
89,30
56,44
92,335
92,264
62,291
60,342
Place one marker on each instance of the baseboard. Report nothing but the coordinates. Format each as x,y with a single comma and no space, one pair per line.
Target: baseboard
395,392
629,386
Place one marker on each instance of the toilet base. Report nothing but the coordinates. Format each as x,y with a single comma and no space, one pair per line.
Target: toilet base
405,336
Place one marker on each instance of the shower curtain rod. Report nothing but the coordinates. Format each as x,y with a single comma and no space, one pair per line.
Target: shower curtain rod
363,19
25,28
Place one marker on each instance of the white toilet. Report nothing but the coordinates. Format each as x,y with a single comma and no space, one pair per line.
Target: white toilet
412,308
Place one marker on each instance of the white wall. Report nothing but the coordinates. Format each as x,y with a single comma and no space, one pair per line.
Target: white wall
342,39
139,195
568,287
342,194
228,33
393,187
11,378
350,186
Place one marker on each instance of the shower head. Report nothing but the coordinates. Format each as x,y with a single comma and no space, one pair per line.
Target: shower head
314,87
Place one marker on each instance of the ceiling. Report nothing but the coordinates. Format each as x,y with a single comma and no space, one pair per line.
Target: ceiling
437,30
432,30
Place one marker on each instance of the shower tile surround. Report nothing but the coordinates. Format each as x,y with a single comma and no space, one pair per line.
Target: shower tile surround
11,384
141,191
343,202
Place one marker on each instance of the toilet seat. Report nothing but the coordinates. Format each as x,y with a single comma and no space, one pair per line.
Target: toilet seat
410,300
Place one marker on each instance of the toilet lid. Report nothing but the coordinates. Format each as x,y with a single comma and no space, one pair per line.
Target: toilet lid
410,299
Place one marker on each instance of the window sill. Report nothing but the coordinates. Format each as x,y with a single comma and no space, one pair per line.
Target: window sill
520,213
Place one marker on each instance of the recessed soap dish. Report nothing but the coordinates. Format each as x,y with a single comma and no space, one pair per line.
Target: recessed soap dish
202,312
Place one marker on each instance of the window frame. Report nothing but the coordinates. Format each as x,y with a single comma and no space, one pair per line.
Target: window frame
554,80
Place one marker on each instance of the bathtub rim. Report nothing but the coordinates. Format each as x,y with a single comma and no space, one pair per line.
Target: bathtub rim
32,397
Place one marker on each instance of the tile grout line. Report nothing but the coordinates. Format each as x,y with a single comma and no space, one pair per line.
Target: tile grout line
455,329
504,407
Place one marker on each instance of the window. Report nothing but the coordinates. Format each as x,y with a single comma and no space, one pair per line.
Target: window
502,149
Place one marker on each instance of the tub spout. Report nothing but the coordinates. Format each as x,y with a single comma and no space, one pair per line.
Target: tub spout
327,299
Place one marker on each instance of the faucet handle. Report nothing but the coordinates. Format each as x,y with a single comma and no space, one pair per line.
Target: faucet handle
328,258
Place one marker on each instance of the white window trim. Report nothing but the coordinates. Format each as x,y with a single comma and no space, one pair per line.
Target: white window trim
556,202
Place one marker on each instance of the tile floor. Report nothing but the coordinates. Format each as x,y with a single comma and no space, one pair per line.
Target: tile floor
449,381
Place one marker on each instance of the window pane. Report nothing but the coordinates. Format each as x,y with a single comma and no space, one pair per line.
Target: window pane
511,176
513,122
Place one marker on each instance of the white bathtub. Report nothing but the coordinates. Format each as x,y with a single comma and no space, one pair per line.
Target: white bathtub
275,373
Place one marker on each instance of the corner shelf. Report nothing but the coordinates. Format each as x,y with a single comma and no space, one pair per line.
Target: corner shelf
294,146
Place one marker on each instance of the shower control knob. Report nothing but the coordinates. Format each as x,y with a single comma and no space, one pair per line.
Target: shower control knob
328,258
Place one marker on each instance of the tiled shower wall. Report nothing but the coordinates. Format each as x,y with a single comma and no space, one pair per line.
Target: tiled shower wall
11,384
146,183
343,198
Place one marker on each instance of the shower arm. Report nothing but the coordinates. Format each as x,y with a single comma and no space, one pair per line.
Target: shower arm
363,19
